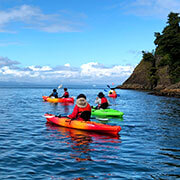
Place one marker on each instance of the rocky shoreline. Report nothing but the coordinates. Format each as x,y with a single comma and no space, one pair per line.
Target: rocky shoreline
172,91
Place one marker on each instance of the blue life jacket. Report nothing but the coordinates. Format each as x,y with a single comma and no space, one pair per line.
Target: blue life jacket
55,94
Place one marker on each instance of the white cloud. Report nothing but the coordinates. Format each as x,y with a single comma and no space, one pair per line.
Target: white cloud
93,69
62,74
90,72
152,8
4,61
33,17
67,65
16,73
43,68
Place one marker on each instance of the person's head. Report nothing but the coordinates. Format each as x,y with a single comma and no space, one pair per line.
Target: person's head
54,90
81,101
100,95
81,96
65,89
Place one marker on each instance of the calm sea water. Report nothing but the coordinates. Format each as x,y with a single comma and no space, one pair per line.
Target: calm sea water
148,146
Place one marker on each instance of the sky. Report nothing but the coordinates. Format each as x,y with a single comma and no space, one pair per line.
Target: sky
77,41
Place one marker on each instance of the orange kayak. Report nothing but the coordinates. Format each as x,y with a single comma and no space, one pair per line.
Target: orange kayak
83,125
58,100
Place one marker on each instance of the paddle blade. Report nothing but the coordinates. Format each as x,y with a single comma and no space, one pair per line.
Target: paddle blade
102,119
108,86
60,86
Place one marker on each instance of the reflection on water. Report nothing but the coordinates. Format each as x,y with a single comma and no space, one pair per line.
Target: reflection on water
109,120
81,141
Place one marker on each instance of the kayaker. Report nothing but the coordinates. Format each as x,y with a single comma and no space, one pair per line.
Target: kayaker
66,94
82,109
112,91
102,101
54,94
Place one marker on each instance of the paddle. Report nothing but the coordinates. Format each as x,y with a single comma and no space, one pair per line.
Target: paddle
110,87
50,116
62,115
100,119
60,86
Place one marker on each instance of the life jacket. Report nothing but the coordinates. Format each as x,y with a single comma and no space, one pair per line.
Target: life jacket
84,113
104,103
103,100
55,94
66,94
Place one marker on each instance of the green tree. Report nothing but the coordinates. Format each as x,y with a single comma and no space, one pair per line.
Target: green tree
168,45
148,56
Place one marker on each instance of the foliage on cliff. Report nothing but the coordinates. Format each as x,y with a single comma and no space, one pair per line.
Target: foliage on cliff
160,68
168,46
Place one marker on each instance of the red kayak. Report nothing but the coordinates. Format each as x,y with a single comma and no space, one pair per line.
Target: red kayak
58,100
83,125
113,95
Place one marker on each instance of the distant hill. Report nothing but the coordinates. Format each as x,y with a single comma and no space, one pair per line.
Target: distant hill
22,84
14,83
55,85
159,70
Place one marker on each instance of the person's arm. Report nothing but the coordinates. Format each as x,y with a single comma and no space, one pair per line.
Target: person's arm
74,114
63,96
108,102
51,95
98,101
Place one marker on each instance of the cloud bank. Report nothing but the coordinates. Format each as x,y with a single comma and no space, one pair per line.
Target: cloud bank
92,72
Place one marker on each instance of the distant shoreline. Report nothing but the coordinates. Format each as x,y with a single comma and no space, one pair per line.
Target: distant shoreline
164,92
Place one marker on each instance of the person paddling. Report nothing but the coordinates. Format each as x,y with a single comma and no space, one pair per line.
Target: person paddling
102,101
82,109
54,94
66,94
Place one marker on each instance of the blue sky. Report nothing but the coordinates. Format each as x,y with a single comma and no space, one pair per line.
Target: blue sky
75,41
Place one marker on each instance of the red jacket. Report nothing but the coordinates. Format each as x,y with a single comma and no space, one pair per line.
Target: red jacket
66,94
103,100
77,112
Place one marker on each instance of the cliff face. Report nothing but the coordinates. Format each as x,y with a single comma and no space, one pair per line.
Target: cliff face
159,71
163,78
140,79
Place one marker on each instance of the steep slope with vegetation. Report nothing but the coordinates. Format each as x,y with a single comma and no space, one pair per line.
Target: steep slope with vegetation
159,70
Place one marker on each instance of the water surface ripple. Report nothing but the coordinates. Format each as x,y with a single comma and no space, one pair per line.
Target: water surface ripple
147,147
